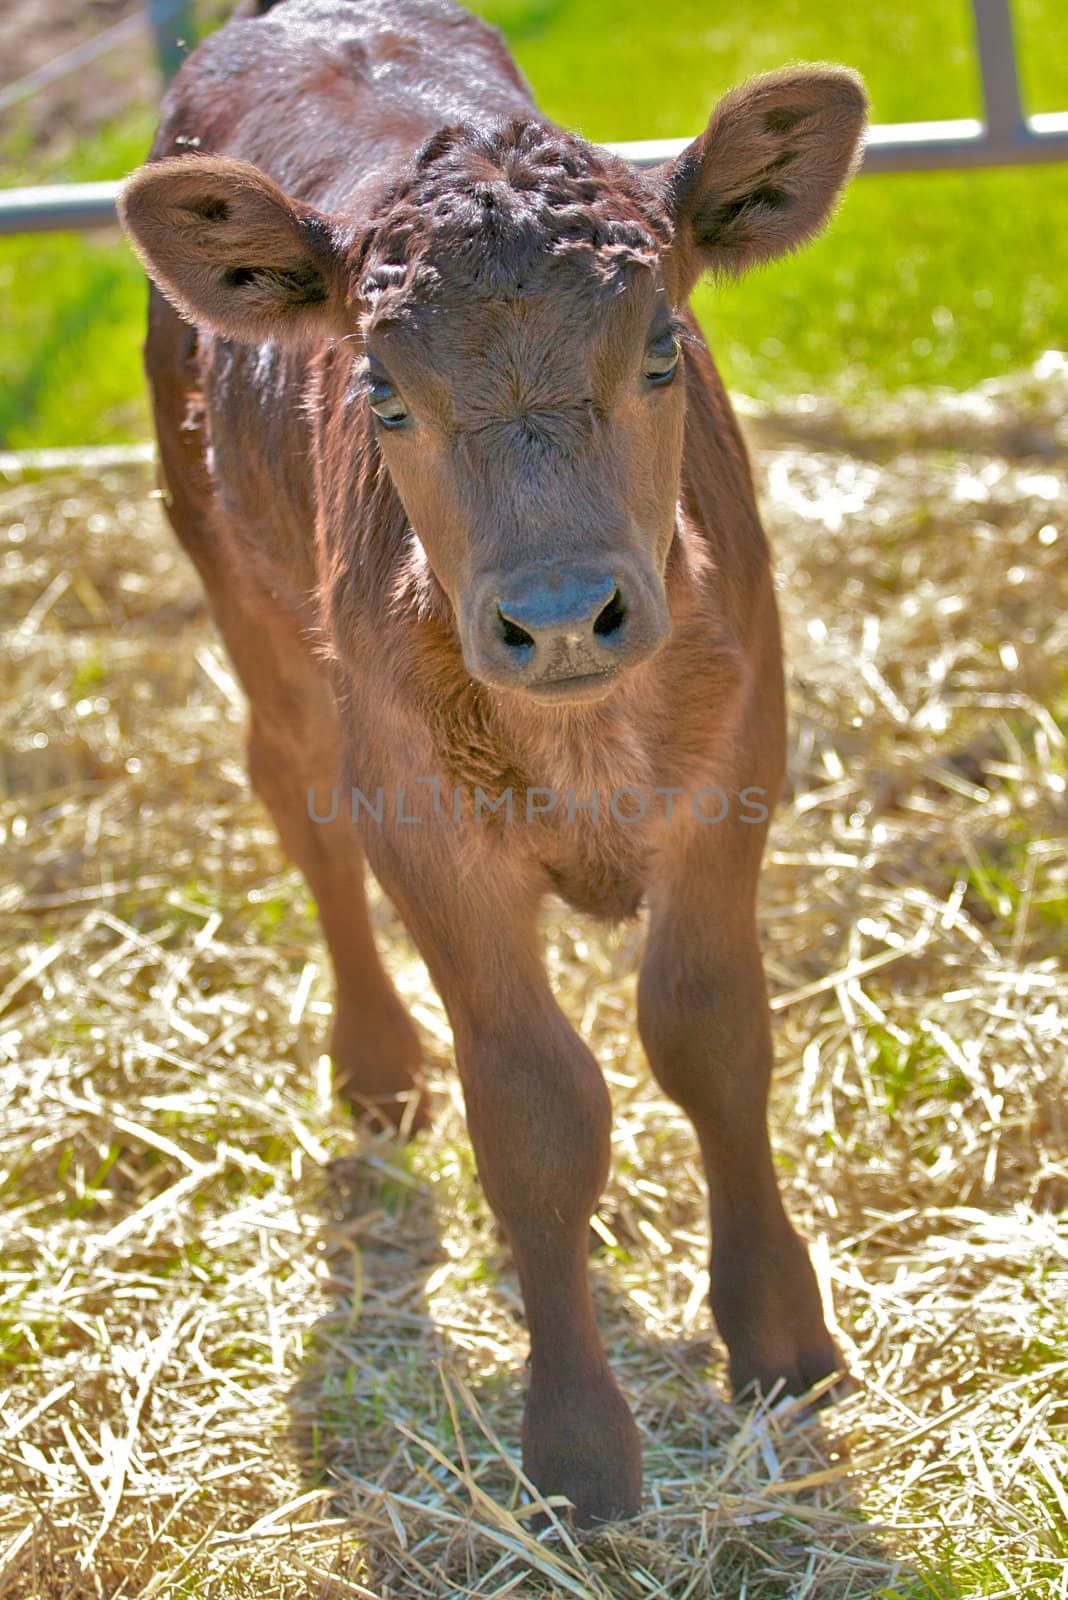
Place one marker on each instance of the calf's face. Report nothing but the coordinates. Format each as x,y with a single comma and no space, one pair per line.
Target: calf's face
509,307
532,426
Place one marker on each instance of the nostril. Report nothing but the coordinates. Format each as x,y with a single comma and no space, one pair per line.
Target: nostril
515,637
612,618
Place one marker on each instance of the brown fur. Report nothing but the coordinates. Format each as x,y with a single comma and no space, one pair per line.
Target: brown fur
344,195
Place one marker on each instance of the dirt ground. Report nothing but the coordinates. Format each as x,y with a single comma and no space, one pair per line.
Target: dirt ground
33,33
246,1350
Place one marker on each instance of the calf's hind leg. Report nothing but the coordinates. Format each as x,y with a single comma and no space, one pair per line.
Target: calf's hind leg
294,765
373,1043
294,739
703,1017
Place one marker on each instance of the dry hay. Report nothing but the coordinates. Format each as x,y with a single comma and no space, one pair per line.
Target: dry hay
247,1351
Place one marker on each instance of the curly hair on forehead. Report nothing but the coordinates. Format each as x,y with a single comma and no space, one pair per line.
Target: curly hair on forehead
498,205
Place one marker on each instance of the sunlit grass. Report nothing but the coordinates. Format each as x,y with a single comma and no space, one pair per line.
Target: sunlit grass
73,315
325,1326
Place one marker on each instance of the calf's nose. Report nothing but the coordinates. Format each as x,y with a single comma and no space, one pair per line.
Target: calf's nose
563,630
548,620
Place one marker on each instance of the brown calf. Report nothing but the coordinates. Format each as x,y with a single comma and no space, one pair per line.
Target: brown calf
476,522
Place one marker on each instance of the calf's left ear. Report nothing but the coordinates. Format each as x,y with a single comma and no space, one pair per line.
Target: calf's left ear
764,176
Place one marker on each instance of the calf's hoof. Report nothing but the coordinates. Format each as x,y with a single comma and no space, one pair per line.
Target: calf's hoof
375,1069
794,1374
582,1442
767,1307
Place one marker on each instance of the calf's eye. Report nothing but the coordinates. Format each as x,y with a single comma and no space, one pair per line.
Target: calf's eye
662,359
386,403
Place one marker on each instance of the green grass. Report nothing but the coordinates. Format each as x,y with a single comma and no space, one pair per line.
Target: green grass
74,308
936,279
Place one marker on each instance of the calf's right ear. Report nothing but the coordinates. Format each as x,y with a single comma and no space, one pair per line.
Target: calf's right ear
232,252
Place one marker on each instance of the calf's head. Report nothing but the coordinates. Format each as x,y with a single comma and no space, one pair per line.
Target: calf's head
509,304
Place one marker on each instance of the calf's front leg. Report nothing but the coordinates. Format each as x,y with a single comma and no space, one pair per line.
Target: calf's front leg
539,1118
704,1021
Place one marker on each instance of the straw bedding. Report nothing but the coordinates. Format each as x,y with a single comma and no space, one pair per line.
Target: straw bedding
249,1351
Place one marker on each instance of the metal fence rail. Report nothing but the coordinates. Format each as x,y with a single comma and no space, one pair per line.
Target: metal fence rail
1005,136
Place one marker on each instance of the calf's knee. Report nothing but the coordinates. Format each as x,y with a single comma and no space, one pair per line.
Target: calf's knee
705,1030
539,1116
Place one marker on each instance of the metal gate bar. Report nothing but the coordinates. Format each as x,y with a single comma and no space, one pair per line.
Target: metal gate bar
1005,137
